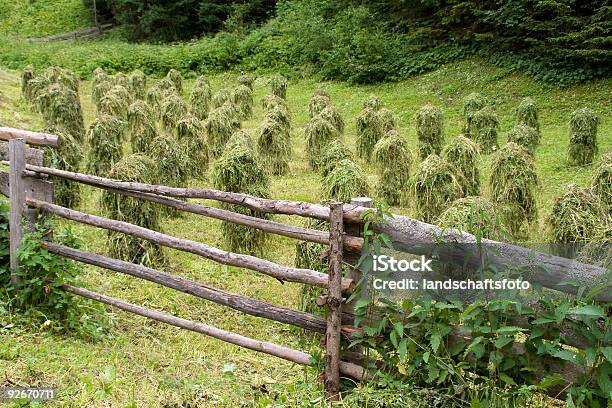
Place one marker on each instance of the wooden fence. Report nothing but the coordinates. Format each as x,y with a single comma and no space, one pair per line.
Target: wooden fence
29,192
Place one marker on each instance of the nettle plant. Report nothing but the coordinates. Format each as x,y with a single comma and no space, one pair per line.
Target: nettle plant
511,346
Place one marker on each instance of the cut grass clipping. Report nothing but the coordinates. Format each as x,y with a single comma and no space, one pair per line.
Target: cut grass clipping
61,109
137,168
583,137
105,139
334,153
346,181
525,136
485,124
434,186
66,156
200,98
472,104
239,170
115,102
177,80
512,184
602,180
393,161
476,216
173,108
242,97
369,131
318,133
317,103
141,126
278,86
274,145
220,126
137,84
463,153
430,130
527,114
192,137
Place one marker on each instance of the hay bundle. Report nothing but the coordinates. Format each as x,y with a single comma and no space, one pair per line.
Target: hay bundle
172,160
120,79
274,145
141,126
26,76
192,136
281,115
219,127
158,92
278,86
317,103
310,255
136,168
137,84
477,216
527,114
270,101
200,98
602,180
393,160
246,80
485,124
61,108
472,104
105,139
525,136
177,80
333,116
512,183
37,86
173,108
318,133
463,153
387,120
99,89
599,251
66,156
369,132
430,130
64,77
115,102
242,97
345,181
239,170
583,137
434,187
334,153
220,98
373,102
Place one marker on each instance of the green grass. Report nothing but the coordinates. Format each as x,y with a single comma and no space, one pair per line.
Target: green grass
36,18
150,364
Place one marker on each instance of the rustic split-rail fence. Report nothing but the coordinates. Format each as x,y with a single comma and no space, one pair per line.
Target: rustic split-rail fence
31,195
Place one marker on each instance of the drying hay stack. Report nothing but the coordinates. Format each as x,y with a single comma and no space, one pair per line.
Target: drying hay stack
318,133
242,97
172,160
472,104
334,153
333,116
105,139
100,85
373,102
274,142
270,101
278,86
173,108
369,131
387,120
115,102
527,115
26,76
66,156
345,181
484,126
602,181
137,84
64,77
240,170
434,187
319,101
136,168
281,115
141,126
192,136
220,98
310,255
477,216
177,80
61,109
512,183
430,130
120,79
219,127
599,251
246,80
525,136
200,98
583,137
393,160
462,154
158,92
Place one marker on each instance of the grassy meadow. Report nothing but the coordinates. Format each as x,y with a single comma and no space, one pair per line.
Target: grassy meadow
148,364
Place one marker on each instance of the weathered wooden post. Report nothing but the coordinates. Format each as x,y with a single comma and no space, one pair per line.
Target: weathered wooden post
17,193
334,303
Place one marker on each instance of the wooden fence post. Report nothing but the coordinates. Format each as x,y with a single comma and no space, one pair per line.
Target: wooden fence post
17,193
334,303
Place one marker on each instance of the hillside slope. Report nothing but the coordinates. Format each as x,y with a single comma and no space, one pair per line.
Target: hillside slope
41,18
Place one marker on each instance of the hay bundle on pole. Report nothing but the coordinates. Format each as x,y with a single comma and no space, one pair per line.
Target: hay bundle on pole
310,255
485,124
172,160
373,102
462,154
120,79
100,86
200,98
602,180
369,131
394,160
317,103
220,98
115,102
274,145
345,181
141,126
334,153
583,137
318,133
66,156
512,183
281,115
26,76
527,114
525,136
105,140
434,187
177,80
270,101
136,168
242,97
61,108
278,86
472,104
219,126
192,136
333,116
246,80
173,108
387,120
239,170
37,86
64,77
430,130
158,92
477,216
137,84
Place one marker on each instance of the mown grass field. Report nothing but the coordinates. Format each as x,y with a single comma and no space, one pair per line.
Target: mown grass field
146,364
